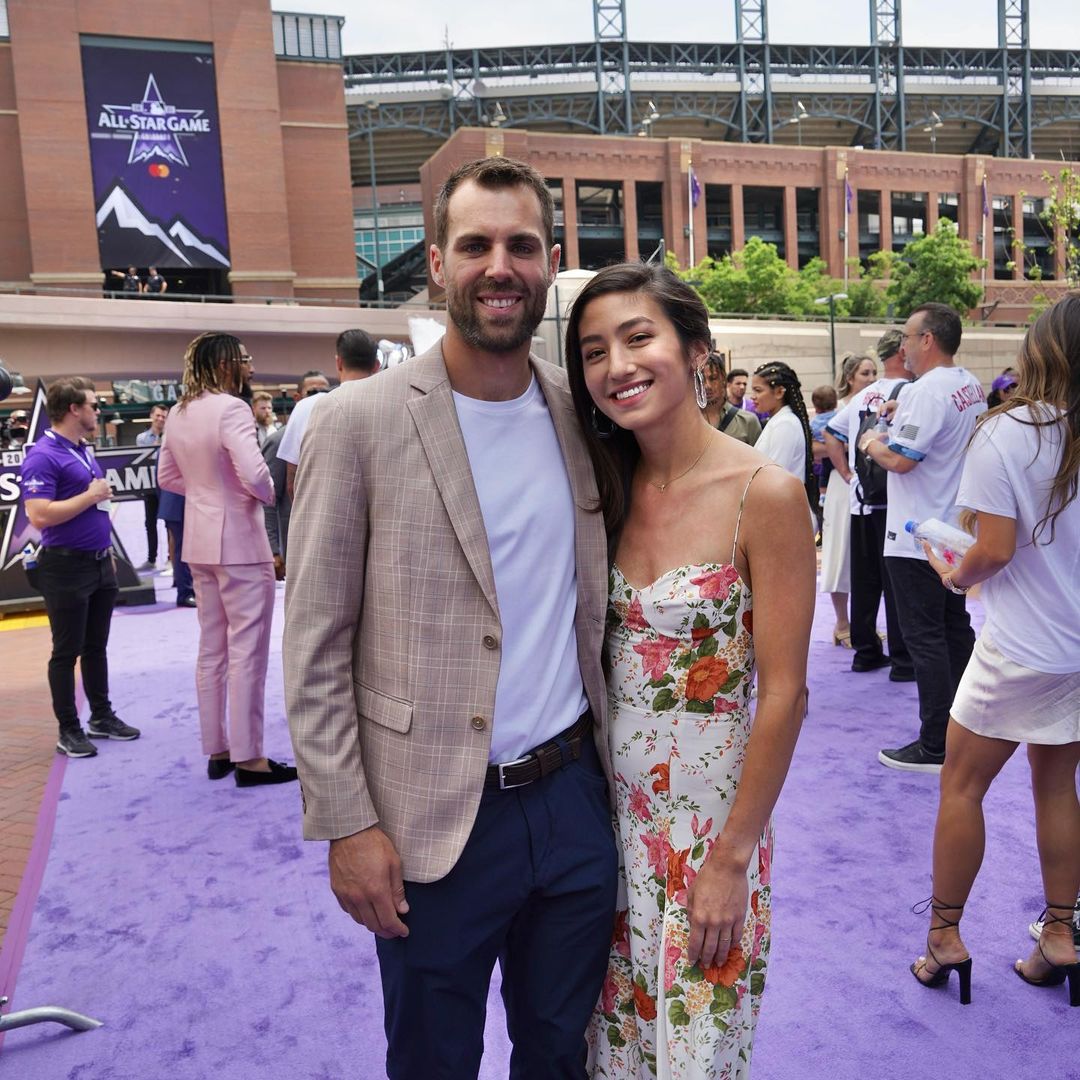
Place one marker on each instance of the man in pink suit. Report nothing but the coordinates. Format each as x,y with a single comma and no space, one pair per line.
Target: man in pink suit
210,455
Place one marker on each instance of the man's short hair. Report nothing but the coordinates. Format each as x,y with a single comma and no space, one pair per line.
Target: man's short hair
494,173
888,344
357,350
64,393
824,398
737,373
158,405
944,323
313,374
262,395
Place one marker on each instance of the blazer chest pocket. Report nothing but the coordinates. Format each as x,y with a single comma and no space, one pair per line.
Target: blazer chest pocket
389,712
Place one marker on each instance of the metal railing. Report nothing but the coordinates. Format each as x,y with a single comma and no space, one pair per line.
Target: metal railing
307,37
209,298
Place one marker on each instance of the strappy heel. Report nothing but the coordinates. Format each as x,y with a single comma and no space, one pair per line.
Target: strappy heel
1058,973
961,967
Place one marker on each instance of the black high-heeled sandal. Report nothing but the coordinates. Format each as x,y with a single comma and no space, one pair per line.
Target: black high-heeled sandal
1058,973
941,976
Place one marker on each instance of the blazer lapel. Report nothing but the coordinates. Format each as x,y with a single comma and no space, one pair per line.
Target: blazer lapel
590,538
436,422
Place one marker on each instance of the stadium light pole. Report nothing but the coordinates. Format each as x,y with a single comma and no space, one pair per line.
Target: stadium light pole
831,301
373,108
932,129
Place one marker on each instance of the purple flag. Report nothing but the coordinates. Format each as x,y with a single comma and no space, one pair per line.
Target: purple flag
848,194
986,200
695,189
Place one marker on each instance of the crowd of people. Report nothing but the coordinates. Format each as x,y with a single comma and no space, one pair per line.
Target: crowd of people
527,611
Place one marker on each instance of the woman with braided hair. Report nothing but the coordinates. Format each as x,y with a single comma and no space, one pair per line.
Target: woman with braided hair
777,393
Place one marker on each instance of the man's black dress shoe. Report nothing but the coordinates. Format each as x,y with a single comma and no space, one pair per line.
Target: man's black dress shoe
219,768
188,601
278,774
870,665
899,675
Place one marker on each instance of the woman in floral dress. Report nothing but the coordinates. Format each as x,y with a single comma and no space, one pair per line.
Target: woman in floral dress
696,519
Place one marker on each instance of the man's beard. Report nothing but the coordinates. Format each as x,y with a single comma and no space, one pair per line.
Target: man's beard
245,391
460,306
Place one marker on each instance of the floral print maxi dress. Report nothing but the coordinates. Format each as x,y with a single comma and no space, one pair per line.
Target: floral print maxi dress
682,659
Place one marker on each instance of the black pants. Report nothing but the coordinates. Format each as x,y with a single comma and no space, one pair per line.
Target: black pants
150,506
80,594
869,581
937,630
534,890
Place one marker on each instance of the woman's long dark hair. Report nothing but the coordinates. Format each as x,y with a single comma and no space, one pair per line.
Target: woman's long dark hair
776,373
1049,365
614,451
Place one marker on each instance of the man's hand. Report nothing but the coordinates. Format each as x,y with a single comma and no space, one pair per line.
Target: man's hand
365,874
99,490
279,568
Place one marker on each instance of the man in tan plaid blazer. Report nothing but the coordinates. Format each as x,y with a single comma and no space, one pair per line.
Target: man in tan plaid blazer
445,610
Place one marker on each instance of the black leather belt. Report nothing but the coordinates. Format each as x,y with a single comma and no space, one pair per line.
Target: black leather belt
79,553
542,759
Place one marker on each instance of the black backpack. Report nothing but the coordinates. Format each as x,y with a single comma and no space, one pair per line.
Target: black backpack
873,479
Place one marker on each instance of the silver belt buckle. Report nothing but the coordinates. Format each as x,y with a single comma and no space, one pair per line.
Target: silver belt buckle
503,785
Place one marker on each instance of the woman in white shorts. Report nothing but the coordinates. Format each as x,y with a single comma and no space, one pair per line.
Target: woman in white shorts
1022,684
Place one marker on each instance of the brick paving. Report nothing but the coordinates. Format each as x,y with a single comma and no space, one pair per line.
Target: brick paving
27,747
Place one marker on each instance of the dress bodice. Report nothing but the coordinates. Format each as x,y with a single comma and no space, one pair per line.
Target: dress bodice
683,643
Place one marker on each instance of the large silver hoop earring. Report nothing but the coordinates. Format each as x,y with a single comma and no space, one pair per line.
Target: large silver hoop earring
603,432
699,388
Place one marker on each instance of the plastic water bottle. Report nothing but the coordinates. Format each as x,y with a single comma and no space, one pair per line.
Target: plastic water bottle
948,543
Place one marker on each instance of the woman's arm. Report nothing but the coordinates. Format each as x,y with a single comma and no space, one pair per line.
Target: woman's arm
779,551
994,547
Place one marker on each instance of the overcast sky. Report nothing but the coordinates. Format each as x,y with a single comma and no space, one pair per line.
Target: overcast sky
411,25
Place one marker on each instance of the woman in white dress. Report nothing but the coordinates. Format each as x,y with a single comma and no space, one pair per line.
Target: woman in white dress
696,520
857,373
1022,684
785,439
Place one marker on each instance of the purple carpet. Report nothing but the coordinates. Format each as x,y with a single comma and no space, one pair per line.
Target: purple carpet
192,919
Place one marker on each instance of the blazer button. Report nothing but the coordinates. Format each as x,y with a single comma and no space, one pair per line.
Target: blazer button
478,723
490,642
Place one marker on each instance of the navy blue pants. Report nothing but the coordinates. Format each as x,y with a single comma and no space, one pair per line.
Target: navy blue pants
534,889
185,587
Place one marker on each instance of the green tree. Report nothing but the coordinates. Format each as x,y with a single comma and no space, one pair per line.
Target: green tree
937,266
756,281
1061,215
867,298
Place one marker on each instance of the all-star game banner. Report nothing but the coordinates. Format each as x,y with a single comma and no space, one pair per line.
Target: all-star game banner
130,471
155,153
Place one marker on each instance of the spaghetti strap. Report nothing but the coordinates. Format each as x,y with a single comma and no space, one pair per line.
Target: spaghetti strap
742,505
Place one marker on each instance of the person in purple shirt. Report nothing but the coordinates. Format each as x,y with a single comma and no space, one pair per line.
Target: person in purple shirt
66,497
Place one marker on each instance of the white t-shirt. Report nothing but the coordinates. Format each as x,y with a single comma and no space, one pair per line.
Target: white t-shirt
1033,604
289,447
528,508
845,426
784,441
932,425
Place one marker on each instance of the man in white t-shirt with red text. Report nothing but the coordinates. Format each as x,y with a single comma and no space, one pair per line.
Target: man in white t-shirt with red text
923,454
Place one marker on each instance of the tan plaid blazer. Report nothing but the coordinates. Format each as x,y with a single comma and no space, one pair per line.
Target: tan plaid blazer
390,687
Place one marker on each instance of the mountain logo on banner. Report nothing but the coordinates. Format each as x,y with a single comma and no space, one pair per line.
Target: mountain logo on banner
156,128
120,214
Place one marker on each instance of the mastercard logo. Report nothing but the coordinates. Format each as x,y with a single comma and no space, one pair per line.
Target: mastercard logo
160,171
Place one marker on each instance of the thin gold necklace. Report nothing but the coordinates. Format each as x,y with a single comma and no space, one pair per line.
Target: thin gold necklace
664,486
